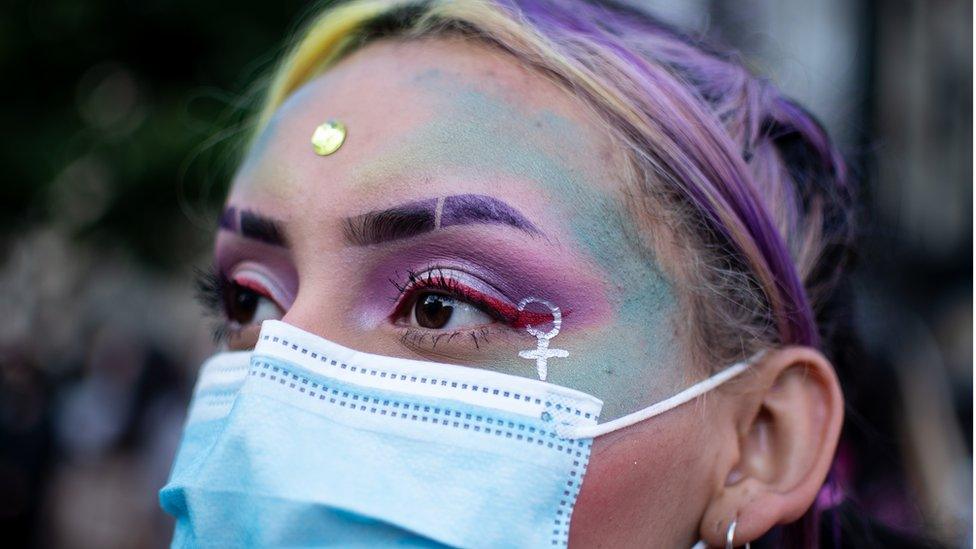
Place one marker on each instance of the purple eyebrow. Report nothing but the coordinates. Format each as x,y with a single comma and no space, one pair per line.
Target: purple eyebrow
228,219
462,209
253,225
431,214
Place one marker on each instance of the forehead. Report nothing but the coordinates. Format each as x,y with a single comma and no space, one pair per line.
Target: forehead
425,110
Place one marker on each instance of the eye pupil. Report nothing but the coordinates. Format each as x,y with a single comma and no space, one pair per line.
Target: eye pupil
242,304
434,310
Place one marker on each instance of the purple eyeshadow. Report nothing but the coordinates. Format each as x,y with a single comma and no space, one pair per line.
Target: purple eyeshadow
228,219
514,268
253,225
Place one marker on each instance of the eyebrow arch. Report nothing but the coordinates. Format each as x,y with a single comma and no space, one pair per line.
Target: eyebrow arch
250,224
423,216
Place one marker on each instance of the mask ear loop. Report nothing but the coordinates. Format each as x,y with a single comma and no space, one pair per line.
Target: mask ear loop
590,431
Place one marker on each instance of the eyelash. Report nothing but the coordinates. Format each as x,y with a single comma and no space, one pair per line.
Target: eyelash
416,336
212,288
434,279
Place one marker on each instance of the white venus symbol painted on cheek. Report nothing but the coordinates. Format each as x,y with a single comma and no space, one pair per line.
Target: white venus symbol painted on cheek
542,353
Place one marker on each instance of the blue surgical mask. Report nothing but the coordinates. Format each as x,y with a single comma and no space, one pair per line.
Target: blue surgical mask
304,442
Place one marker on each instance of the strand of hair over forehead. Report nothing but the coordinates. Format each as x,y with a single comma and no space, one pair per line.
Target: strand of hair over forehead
666,124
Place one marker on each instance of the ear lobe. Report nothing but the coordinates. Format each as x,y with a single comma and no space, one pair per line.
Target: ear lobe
792,419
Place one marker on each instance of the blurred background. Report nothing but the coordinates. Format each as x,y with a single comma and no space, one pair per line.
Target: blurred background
122,124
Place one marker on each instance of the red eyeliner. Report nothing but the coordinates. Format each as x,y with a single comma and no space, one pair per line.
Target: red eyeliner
511,315
503,311
255,287
258,288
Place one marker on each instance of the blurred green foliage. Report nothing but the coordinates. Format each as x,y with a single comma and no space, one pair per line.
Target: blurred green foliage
122,119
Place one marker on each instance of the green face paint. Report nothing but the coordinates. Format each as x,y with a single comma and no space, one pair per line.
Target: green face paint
630,359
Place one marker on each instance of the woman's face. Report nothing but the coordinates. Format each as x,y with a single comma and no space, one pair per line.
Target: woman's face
467,183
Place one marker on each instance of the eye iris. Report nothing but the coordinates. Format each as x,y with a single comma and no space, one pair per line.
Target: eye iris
241,304
433,311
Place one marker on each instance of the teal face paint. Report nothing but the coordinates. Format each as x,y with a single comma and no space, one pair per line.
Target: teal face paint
631,358
260,143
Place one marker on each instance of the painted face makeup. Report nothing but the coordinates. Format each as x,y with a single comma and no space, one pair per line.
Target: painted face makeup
428,235
542,353
448,290
253,226
424,216
253,278
628,357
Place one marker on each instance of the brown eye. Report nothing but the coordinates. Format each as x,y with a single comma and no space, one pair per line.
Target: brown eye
433,310
245,306
439,311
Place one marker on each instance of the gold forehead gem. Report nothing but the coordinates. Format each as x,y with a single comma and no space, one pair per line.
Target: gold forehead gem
328,137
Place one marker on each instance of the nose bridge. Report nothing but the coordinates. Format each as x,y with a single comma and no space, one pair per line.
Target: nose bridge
304,316
315,308
318,255
327,308
326,303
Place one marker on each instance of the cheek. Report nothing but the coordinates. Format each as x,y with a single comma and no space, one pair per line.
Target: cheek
646,485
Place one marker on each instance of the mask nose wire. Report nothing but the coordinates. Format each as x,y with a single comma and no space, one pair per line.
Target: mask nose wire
702,387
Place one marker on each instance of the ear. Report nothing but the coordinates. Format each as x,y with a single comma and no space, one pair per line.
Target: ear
788,423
